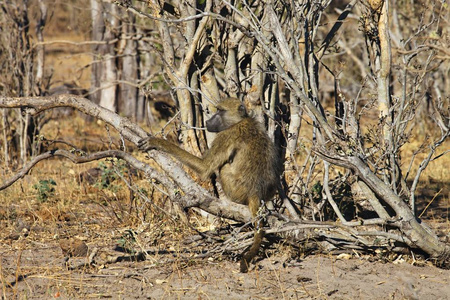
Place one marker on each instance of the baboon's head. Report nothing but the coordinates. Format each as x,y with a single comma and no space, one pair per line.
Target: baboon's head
229,112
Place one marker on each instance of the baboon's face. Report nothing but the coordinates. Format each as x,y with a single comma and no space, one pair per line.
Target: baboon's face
229,112
216,122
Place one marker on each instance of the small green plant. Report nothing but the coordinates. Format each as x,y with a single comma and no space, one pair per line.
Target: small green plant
127,242
109,174
45,189
316,191
106,177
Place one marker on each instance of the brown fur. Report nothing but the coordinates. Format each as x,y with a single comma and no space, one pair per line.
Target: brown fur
243,156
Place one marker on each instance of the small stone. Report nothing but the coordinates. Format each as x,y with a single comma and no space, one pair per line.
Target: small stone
74,247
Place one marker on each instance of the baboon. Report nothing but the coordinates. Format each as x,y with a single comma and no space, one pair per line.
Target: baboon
243,157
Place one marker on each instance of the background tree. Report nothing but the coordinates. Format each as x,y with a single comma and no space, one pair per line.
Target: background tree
21,77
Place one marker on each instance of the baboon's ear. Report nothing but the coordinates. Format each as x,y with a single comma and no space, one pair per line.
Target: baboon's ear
242,111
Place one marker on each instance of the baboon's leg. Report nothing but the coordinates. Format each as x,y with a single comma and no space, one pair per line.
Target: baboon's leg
254,204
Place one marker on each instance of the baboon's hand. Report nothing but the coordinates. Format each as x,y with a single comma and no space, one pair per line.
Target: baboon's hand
147,144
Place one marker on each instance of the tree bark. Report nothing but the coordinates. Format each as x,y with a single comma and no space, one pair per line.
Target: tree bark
105,71
98,28
40,50
128,100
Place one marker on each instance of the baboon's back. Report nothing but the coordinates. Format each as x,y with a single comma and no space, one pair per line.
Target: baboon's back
252,169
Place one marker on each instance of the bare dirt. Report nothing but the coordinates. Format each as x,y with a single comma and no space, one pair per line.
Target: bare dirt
33,267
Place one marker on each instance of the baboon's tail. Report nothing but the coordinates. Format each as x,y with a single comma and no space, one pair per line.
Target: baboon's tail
253,251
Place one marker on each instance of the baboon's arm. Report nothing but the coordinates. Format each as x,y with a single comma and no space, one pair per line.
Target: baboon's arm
220,153
205,167
192,161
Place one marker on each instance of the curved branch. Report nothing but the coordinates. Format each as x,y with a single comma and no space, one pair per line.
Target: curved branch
417,235
193,194
206,202
49,154
35,105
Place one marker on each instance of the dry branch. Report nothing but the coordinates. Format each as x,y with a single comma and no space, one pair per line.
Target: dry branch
194,194
417,235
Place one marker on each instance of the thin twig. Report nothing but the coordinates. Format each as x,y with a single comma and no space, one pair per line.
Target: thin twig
326,175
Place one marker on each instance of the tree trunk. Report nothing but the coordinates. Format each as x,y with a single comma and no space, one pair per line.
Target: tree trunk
104,72
98,28
128,100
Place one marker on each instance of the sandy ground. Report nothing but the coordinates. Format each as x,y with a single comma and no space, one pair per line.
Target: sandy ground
42,274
